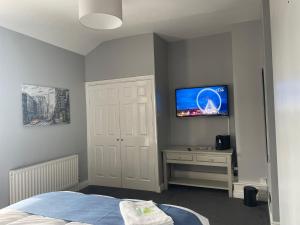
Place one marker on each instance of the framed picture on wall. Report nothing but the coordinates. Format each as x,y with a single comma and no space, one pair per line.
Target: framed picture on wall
44,106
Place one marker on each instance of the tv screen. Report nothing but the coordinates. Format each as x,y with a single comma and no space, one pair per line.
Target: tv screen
202,101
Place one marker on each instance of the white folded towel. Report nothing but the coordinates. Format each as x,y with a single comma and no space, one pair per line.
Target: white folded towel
143,213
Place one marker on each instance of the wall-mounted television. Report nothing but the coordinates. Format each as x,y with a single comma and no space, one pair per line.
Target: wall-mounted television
202,101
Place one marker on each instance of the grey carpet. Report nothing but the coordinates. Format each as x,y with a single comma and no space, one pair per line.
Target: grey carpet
213,204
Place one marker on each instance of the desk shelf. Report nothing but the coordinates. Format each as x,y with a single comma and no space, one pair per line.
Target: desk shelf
215,184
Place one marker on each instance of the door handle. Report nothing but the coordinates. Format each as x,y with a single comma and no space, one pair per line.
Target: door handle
122,139
118,139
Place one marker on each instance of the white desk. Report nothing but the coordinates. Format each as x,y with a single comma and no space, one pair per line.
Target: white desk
210,158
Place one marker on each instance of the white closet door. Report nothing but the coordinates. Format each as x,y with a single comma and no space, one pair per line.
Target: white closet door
104,134
137,134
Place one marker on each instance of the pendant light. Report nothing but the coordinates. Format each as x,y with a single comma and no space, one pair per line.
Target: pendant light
100,14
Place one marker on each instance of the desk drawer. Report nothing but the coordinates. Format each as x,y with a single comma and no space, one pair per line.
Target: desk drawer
211,159
180,156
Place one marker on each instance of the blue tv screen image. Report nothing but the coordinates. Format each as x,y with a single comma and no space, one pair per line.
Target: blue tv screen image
202,101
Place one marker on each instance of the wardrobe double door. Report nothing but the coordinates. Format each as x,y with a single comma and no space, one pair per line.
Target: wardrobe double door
122,146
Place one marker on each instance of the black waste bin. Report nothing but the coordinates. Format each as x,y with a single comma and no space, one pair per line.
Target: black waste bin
250,196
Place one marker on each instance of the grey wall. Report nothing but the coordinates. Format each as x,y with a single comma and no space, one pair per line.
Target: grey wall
270,115
162,95
24,60
248,99
199,62
126,57
285,32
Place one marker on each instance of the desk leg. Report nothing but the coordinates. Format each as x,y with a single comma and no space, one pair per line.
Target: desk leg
166,175
230,176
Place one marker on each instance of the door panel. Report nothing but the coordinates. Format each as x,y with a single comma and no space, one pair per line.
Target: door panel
122,151
144,156
113,160
105,168
99,120
137,132
142,113
127,119
99,161
130,159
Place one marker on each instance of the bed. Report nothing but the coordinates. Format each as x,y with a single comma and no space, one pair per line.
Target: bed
72,208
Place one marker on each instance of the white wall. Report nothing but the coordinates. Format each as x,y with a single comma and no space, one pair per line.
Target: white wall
285,23
125,57
24,60
200,62
270,117
247,45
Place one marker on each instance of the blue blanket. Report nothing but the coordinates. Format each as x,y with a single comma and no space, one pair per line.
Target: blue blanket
91,209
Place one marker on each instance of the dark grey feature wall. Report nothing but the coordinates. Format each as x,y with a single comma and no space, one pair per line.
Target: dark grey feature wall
24,60
121,58
200,62
162,91
162,95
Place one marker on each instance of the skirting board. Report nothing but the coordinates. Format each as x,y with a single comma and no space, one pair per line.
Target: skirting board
80,186
83,185
238,190
275,223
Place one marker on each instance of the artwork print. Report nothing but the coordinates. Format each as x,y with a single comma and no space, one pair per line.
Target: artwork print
43,106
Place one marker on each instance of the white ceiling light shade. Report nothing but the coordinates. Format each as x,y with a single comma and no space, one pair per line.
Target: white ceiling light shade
100,14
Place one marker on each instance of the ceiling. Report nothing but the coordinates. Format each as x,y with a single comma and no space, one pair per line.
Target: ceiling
56,21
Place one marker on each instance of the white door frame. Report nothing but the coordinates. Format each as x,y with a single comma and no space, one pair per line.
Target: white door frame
120,80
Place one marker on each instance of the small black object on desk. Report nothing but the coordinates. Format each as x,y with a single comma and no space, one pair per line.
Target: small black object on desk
222,142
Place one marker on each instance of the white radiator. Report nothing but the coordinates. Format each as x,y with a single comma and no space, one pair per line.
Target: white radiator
55,175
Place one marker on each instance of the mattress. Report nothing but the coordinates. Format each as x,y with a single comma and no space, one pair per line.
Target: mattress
15,217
